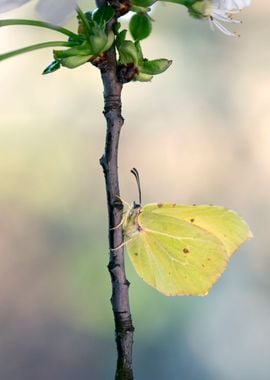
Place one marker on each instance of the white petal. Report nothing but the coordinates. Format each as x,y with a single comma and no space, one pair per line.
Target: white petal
231,4
8,5
56,11
224,30
240,4
223,12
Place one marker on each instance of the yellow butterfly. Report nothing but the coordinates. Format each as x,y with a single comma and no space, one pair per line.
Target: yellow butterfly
181,249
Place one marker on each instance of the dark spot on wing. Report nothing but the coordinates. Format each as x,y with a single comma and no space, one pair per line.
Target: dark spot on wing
192,220
185,250
135,253
194,204
203,265
208,259
160,205
174,205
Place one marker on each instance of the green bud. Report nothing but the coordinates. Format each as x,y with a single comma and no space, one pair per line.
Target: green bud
155,66
98,40
140,26
55,65
127,53
200,9
110,41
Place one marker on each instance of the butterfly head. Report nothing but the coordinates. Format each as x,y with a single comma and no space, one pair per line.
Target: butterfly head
131,225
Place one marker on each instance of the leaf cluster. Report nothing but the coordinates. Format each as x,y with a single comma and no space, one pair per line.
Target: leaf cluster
95,37
98,31
92,40
130,51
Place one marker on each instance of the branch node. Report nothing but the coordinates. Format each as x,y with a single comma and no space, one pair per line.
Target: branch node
103,163
121,7
112,266
123,326
126,73
117,203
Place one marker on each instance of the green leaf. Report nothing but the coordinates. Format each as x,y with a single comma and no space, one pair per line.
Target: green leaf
81,50
116,27
55,65
155,66
85,24
120,38
140,26
139,50
103,15
75,61
33,47
39,24
143,3
142,77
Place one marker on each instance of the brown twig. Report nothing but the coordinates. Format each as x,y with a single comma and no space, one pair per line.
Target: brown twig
120,301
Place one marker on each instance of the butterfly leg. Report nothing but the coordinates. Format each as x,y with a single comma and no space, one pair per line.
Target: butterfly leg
119,246
125,213
119,224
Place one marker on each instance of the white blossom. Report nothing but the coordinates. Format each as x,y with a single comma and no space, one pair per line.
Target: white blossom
218,12
54,11
8,5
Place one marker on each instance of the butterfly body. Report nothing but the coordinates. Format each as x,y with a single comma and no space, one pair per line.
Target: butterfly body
131,225
181,249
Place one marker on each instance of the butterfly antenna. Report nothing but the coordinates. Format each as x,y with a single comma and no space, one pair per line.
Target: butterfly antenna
135,172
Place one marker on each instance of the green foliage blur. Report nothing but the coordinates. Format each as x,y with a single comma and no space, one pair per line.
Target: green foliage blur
198,134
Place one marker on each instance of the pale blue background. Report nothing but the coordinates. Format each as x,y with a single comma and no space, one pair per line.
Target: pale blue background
199,133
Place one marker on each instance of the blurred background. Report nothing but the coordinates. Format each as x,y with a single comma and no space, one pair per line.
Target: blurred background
198,133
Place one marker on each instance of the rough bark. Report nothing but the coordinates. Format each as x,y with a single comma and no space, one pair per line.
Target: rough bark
109,161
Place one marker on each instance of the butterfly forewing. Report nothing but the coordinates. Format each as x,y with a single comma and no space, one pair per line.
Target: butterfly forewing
222,223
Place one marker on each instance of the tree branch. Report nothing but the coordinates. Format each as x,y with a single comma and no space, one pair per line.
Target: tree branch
120,301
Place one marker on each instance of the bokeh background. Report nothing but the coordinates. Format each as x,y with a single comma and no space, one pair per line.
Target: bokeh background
198,133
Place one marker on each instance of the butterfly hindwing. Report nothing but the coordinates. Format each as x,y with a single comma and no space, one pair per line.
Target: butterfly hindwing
175,258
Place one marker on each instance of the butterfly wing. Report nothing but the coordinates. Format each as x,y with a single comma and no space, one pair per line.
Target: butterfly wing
175,256
224,224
